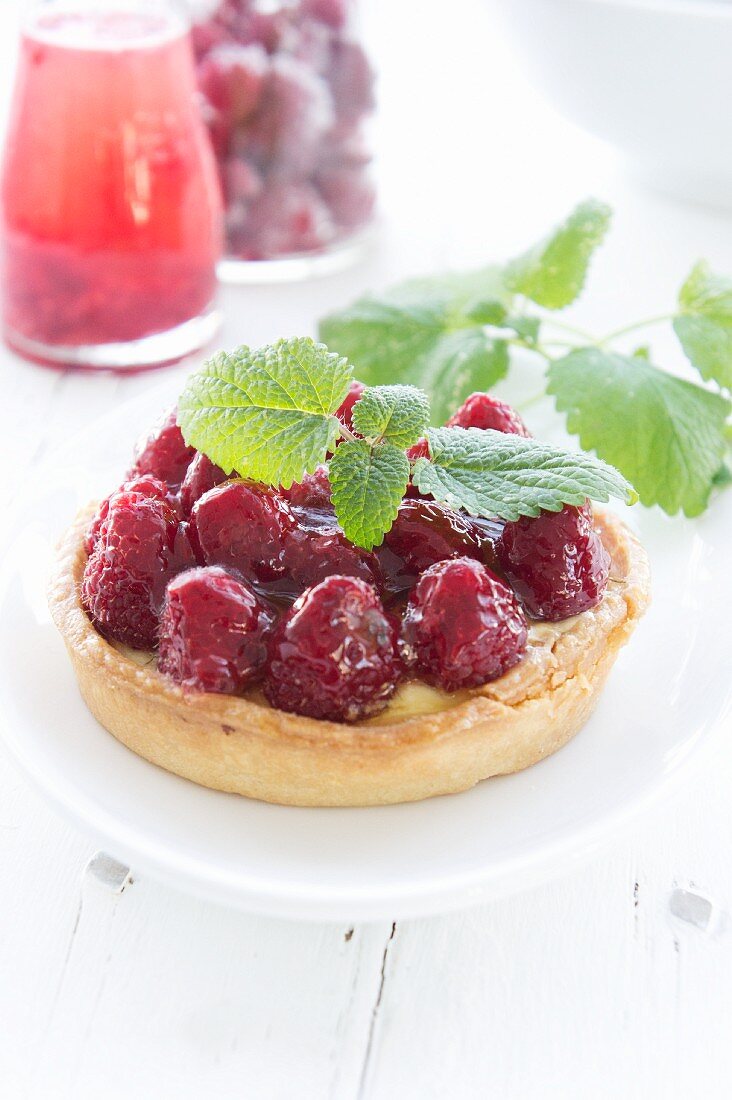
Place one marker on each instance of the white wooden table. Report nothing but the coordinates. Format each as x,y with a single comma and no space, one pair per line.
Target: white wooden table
613,982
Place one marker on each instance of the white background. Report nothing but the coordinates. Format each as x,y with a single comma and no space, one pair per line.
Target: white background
614,981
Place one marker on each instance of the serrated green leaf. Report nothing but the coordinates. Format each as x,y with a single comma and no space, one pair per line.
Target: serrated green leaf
491,473
527,327
266,413
553,272
458,364
487,312
368,484
704,325
664,434
398,414
421,333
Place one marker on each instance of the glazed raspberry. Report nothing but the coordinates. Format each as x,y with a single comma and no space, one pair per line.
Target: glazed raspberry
556,563
487,532
344,412
463,626
423,533
146,485
480,410
317,549
201,475
140,547
213,632
333,654
242,525
164,453
312,492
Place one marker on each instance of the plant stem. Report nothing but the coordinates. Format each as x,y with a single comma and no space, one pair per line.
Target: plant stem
346,432
563,327
530,401
636,325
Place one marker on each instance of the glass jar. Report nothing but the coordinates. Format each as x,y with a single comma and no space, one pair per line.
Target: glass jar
111,208
286,91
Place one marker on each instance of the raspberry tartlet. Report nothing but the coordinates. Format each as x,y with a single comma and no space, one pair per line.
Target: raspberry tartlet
229,631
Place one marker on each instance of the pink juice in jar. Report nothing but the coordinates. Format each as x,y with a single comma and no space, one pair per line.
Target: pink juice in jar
111,203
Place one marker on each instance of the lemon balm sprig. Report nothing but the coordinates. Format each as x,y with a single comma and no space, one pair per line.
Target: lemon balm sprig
269,414
453,334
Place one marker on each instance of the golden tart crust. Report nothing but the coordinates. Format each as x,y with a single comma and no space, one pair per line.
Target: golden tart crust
426,743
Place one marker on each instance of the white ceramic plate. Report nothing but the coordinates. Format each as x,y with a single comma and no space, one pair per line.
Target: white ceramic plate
667,696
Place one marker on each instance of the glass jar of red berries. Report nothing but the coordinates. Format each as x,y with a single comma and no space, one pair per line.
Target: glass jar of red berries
286,91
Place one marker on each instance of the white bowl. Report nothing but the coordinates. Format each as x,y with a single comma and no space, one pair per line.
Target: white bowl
653,77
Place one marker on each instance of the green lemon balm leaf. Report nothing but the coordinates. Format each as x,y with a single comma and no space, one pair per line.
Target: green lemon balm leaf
704,324
266,413
398,414
665,435
494,474
367,487
553,272
427,333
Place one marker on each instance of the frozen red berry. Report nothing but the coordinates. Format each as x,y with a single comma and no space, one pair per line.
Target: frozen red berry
243,526
264,28
297,113
213,632
201,475
313,491
164,453
423,533
146,485
140,547
556,562
286,217
231,78
349,193
334,13
333,654
463,626
351,80
480,410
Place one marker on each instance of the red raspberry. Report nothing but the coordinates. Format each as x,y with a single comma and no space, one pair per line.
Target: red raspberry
463,626
146,485
344,412
487,532
213,632
480,410
141,546
317,549
164,453
312,492
201,475
423,533
420,449
556,562
333,654
243,526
